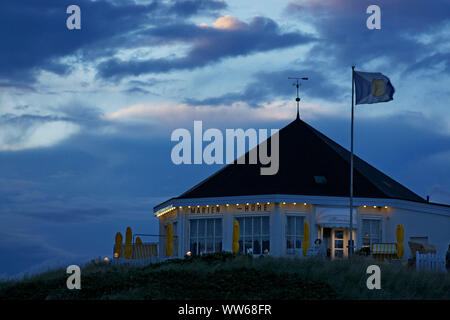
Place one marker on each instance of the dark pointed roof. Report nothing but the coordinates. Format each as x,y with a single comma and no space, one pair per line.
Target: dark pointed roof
310,164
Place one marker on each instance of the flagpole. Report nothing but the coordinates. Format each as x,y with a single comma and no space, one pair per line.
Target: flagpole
350,246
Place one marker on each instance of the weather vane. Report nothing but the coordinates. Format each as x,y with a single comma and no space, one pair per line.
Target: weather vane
297,84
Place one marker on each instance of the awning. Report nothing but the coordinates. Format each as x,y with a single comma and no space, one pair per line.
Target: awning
335,217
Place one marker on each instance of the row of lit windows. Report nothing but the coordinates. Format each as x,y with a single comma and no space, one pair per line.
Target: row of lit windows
205,235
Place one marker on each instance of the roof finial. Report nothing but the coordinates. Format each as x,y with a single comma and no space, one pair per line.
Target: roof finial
297,84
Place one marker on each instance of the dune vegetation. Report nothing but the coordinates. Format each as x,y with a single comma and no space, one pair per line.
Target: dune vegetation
225,276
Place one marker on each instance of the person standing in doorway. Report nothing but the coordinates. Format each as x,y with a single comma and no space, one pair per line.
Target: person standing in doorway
319,249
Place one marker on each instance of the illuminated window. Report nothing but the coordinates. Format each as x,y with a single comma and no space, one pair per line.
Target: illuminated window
254,235
205,235
371,232
294,234
338,243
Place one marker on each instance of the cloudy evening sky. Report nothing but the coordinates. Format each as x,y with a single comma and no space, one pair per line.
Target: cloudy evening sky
86,115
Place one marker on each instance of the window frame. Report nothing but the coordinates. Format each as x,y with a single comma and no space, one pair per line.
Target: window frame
261,236
205,237
295,250
380,232
336,249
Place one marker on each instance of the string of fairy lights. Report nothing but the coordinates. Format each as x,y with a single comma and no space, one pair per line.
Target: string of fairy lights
172,208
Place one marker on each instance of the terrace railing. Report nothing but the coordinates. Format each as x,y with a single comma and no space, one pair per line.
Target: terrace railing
141,254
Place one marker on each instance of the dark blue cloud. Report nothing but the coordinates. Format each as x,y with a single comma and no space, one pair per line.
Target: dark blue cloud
138,90
209,45
144,87
430,62
72,112
34,34
345,39
267,86
27,250
191,7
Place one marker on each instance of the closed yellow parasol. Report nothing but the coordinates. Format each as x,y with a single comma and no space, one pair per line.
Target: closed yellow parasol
305,237
169,240
235,246
118,245
400,233
128,240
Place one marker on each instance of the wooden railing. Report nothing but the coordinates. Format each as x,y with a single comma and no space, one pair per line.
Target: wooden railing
141,251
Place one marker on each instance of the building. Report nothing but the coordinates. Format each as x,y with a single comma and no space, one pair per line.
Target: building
312,185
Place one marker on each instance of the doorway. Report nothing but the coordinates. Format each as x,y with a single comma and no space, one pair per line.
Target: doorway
339,241
338,244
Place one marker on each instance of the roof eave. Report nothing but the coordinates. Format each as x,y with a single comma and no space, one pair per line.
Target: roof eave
308,199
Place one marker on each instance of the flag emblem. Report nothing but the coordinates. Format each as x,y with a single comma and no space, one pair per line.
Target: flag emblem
378,88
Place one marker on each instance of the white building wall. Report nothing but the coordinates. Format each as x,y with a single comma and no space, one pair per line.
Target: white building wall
275,237
416,224
227,231
418,220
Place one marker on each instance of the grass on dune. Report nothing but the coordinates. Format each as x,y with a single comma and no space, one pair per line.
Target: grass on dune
226,276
